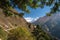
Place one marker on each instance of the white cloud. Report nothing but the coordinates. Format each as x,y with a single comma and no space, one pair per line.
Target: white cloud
30,19
36,18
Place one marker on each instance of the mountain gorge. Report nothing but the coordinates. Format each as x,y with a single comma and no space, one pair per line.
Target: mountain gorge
15,27
50,24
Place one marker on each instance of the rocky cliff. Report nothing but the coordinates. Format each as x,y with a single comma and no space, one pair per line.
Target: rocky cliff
11,21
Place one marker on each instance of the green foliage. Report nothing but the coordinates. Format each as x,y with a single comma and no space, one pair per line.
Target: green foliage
40,34
20,33
21,14
3,34
24,4
7,13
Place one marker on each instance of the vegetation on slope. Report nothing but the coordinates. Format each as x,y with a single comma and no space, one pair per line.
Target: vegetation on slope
40,34
3,34
20,33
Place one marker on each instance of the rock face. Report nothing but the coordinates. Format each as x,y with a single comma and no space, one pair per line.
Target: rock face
14,27
50,24
11,21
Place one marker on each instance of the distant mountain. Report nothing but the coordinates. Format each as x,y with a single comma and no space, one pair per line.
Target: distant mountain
50,24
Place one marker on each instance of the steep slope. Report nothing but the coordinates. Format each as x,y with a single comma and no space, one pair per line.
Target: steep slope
11,21
14,27
50,24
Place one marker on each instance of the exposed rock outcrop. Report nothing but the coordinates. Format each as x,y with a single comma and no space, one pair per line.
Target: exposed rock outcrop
11,21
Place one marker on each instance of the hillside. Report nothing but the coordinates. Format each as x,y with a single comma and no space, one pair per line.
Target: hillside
11,21
50,24
16,23
15,27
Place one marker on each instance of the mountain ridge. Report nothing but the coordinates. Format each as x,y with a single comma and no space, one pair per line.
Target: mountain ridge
11,21
50,24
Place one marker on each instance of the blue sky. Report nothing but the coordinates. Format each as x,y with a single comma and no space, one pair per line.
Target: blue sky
35,13
38,12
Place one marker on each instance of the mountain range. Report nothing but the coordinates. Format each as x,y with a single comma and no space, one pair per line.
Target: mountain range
50,24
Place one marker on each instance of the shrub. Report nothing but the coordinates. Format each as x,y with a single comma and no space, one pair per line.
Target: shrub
40,34
20,33
3,34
